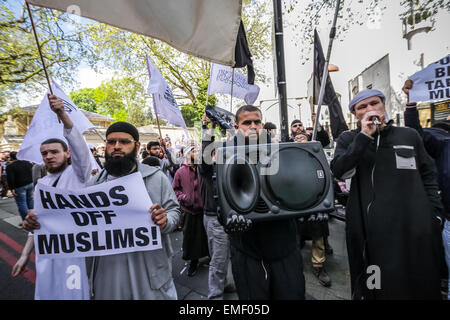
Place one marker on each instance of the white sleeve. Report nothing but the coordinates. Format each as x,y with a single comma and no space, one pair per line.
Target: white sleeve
79,154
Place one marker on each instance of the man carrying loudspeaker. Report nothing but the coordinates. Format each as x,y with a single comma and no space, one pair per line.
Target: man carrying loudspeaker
266,261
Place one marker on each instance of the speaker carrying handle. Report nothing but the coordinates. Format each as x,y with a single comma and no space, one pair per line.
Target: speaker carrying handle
221,216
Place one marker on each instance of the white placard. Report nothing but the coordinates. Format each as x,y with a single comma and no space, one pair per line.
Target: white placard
109,218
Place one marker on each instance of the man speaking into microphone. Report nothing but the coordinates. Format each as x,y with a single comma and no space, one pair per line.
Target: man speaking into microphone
393,211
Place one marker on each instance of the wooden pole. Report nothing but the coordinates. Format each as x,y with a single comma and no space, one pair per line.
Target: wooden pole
159,127
40,52
157,118
231,94
98,133
39,47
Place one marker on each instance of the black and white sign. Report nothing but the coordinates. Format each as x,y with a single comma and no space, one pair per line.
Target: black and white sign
105,219
432,83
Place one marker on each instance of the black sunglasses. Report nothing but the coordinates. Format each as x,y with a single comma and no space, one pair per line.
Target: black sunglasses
249,122
113,142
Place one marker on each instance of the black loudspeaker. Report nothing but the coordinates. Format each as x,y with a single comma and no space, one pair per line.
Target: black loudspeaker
273,181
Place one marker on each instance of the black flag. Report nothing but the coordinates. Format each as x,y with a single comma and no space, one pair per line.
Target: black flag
242,55
337,121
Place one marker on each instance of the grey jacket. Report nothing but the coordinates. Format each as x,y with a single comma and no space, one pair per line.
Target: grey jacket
145,274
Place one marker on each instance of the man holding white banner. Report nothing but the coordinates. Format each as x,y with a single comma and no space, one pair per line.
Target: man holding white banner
68,167
45,126
222,77
141,274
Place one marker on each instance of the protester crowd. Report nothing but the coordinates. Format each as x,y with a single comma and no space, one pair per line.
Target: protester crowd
397,214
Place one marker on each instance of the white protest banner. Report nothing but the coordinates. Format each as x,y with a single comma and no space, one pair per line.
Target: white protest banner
205,29
432,83
163,101
45,125
109,218
220,80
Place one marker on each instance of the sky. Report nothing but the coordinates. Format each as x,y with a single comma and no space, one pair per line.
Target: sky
361,47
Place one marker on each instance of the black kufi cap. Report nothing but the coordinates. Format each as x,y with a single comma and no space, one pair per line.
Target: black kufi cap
122,126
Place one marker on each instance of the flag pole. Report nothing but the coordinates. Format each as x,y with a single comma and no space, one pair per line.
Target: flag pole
40,51
39,47
207,89
325,70
157,118
159,127
231,94
281,69
98,133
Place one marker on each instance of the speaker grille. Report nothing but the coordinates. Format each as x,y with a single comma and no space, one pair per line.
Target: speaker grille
241,184
300,181
261,206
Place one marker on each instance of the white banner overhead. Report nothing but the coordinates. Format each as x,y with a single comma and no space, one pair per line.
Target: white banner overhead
45,125
163,100
432,83
205,29
104,219
220,80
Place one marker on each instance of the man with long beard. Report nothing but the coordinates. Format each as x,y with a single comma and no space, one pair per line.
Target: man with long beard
136,275
144,274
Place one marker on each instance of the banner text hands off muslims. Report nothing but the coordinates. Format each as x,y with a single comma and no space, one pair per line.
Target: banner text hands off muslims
105,219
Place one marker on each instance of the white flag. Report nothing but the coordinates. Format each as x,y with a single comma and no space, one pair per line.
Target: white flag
45,125
432,83
205,29
163,101
220,82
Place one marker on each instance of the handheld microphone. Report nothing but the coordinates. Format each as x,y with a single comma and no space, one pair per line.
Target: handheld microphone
375,120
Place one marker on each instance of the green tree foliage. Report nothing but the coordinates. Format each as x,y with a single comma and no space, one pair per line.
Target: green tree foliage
193,112
84,99
16,113
66,43
122,99
188,76
63,47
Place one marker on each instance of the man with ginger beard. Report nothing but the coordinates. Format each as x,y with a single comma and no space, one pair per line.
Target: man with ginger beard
69,167
145,274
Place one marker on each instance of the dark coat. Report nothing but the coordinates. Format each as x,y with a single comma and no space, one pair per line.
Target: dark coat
322,136
437,144
187,189
391,221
